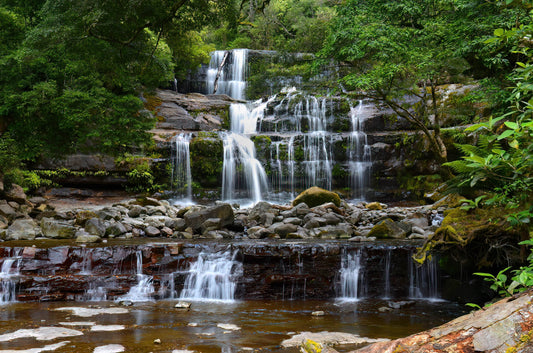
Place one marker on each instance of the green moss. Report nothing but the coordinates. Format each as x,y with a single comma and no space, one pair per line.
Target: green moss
316,196
382,229
206,152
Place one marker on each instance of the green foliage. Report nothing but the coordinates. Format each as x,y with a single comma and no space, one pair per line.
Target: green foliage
472,204
522,278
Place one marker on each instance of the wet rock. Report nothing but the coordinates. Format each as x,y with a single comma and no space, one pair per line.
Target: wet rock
182,305
229,327
83,237
210,224
401,304
147,201
109,213
107,328
36,201
387,229
293,220
95,226
258,232
316,196
88,312
41,334
315,222
318,313
157,341
166,231
502,327
331,219
23,229
328,338
110,348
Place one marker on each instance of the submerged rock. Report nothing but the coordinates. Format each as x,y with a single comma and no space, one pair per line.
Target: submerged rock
328,338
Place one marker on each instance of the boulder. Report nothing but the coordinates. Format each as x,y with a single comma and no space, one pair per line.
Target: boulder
83,215
52,228
7,211
260,210
283,229
222,211
23,229
316,196
83,237
375,206
95,226
16,193
115,229
387,228
135,211
152,231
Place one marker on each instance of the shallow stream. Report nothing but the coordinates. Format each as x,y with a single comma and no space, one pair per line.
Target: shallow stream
254,325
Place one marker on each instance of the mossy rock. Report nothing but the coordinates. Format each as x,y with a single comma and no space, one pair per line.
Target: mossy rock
315,196
387,229
374,206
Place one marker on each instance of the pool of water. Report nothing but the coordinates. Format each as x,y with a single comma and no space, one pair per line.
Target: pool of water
257,325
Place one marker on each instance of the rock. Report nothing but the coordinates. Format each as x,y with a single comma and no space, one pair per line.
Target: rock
52,228
83,237
504,326
387,229
328,338
210,224
316,196
417,220
8,211
147,201
260,209
135,211
401,304
23,229
283,229
375,206
115,229
315,222
417,230
95,226
229,327
222,211
178,224
166,231
331,219
152,231
182,305
318,313
83,215
16,193
109,213
36,201
157,341
293,220
258,232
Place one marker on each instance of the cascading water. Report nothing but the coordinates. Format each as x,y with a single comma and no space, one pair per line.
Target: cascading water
232,78
8,273
181,171
423,280
359,157
144,289
351,275
386,277
212,277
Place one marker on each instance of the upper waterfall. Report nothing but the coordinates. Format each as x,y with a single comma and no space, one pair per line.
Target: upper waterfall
227,73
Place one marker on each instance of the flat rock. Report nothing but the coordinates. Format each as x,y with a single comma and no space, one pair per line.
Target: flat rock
110,348
47,348
328,338
41,334
88,312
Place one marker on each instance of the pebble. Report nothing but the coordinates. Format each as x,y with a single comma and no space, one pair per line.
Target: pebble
318,313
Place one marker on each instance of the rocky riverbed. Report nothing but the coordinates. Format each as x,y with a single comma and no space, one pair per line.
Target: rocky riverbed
23,218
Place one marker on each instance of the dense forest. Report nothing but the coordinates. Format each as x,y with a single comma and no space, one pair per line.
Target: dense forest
72,73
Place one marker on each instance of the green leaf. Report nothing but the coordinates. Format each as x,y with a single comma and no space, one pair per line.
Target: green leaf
511,125
505,134
498,32
514,144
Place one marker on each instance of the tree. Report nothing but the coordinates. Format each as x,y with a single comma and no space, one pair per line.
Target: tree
400,52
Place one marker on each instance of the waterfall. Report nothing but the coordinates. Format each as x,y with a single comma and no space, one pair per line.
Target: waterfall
181,170
351,275
8,273
212,277
423,280
144,289
359,157
386,276
241,169
232,79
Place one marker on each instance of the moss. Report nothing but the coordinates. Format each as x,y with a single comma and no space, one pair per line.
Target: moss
382,229
206,159
316,196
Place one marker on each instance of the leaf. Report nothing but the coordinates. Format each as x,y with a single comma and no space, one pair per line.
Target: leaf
511,125
514,144
505,134
498,32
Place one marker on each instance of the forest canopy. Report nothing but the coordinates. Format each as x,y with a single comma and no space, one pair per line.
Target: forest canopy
72,73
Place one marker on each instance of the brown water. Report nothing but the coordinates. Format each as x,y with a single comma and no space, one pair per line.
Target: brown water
263,324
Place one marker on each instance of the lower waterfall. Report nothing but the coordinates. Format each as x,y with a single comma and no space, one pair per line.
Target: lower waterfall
144,289
8,273
212,277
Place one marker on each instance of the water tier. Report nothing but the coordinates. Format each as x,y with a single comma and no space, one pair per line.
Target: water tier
217,271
